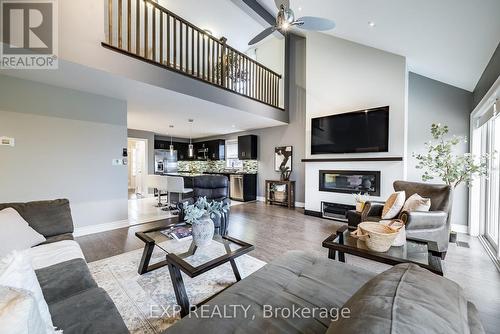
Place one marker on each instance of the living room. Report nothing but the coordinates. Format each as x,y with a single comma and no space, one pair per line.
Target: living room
356,185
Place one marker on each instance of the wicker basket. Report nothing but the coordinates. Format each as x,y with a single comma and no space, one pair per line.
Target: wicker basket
378,237
280,196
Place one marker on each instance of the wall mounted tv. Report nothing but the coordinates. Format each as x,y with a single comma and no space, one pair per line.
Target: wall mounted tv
354,132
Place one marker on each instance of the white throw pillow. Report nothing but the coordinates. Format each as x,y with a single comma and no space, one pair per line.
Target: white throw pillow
19,313
16,233
16,272
417,203
393,205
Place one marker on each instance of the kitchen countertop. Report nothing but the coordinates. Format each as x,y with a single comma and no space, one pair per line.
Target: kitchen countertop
230,173
189,174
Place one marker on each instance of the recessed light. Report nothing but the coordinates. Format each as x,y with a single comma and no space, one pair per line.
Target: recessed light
233,126
371,24
300,8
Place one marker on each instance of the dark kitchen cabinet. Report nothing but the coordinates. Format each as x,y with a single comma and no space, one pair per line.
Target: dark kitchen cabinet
182,151
247,147
162,145
211,150
216,149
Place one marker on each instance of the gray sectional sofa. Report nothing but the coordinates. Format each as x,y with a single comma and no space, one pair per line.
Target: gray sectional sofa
76,304
403,299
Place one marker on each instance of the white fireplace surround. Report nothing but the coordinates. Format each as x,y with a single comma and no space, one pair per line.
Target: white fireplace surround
390,171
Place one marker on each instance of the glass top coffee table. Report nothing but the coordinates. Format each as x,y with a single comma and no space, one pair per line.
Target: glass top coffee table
421,252
185,256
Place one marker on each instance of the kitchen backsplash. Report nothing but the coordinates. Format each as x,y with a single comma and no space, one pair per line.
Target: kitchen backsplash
249,166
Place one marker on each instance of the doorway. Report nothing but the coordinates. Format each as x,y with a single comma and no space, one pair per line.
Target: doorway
137,167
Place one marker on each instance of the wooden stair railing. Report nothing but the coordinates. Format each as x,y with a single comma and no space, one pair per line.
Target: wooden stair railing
146,30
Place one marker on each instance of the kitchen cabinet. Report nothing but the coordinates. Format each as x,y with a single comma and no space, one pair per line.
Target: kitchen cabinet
207,150
247,147
162,145
210,150
182,151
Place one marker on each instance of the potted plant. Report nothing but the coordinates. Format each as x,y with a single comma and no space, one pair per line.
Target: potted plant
201,215
441,163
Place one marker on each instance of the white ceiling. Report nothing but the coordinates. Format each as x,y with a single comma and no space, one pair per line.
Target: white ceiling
222,17
446,40
151,108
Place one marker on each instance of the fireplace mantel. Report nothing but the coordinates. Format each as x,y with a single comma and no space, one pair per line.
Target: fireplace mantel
353,159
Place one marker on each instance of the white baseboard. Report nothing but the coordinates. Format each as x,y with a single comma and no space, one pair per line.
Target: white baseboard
86,230
297,204
460,228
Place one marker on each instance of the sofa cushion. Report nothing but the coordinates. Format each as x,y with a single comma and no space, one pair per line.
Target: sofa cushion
64,280
91,311
59,237
49,254
48,218
406,299
297,279
16,233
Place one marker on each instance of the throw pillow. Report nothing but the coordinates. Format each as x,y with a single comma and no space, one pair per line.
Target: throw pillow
393,205
16,233
16,272
417,203
19,312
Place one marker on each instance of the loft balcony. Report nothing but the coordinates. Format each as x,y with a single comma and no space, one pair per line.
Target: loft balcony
147,31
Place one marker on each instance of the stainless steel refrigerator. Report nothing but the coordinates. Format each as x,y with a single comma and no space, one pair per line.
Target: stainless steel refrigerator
166,162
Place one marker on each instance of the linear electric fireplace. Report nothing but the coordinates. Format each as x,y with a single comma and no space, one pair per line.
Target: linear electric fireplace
350,181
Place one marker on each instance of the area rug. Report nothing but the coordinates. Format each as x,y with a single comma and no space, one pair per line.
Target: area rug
146,302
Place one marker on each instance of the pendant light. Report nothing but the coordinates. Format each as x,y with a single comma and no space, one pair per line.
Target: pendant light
171,143
190,147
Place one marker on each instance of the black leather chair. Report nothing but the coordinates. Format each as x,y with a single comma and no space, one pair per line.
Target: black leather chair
429,225
214,188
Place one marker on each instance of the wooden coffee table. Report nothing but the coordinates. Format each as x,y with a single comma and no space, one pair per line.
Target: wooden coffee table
421,252
191,260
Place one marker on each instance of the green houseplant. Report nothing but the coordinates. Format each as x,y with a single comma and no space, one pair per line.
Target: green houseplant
200,215
440,162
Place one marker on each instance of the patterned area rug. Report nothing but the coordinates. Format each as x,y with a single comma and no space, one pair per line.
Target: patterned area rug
146,302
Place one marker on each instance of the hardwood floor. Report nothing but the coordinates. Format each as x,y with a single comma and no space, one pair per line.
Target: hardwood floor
274,230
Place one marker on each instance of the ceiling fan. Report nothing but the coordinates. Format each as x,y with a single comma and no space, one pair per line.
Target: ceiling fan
286,19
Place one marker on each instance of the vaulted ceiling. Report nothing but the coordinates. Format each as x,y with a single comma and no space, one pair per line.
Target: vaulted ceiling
446,40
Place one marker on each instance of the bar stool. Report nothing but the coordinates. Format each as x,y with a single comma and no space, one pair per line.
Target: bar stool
175,184
159,183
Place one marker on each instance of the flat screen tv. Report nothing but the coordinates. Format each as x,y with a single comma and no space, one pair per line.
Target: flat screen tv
354,132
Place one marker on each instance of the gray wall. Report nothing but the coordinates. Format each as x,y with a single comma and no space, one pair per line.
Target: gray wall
431,101
288,135
488,78
65,143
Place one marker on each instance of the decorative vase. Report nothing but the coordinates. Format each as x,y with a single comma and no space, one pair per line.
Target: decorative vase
360,206
203,231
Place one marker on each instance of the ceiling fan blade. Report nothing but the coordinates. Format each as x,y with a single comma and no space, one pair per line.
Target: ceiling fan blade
315,23
266,32
285,3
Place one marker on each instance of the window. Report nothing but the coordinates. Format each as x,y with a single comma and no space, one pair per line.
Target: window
232,160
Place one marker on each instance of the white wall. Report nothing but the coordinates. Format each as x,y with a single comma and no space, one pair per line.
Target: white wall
343,76
271,53
65,143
